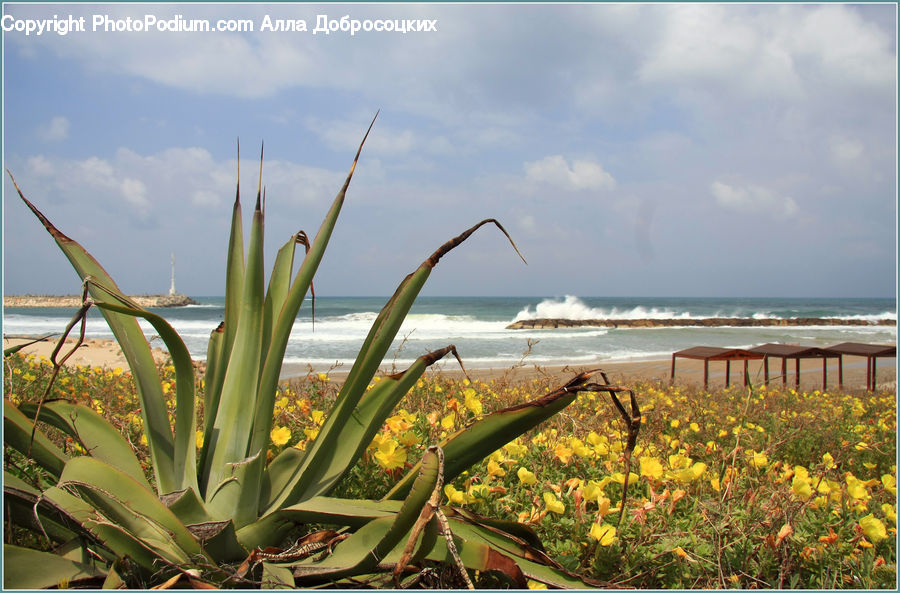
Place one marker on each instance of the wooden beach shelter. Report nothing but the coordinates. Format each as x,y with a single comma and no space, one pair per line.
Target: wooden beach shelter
708,353
870,351
795,353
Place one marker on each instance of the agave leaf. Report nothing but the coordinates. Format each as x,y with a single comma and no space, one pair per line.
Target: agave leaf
366,548
469,445
219,540
477,556
187,506
134,346
237,496
98,437
276,577
374,407
114,537
17,433
230,436
25,568
21,504
281,330
234,271
131,506
215,373
185,446
370,356
279,286
271,529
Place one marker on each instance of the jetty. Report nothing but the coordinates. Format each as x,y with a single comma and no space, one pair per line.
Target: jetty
693,322
74,301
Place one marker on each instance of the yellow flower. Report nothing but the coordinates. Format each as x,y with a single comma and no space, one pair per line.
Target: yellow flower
526,477
280,435
454,496
694,427
448,421
890,483
619,478
408,438
679,461
323,377
563,453
143,440
199,438
477,491
855,488
873,528
801,487
515,449
579,448
390,454
318,417
651,468
890,513
828,460
554,505
692,473
603,533
674,423
471,401
536,585
494,469
758,460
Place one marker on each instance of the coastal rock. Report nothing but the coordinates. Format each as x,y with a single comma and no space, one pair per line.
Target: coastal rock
705,322
72,301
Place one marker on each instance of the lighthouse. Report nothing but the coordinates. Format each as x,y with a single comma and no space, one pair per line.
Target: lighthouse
172,287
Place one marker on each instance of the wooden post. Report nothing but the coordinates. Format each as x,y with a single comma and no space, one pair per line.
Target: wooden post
766,369
841,372
824,372
874,359
672,376
705,373
797,373
783,372
727,373
746,378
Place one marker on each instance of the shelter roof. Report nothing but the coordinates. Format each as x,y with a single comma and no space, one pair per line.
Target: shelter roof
793,351
857,349
715,353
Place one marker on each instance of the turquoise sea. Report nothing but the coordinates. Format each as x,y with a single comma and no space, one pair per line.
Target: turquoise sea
477,326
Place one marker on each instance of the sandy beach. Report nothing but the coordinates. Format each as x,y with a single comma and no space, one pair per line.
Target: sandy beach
106,353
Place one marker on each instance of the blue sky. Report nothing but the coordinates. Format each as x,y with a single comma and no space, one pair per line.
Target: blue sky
659,150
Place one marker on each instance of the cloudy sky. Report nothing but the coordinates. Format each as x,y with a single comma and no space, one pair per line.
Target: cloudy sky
648,150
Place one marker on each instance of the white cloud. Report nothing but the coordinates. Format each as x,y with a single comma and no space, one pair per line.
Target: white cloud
135,193
40,166
345,136
188,178
753,199
845,150
581,175
784,51
56,130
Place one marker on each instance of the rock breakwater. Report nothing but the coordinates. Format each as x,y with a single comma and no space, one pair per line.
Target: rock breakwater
72,301
705,322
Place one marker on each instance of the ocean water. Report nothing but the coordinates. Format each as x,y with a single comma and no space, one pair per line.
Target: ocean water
477,326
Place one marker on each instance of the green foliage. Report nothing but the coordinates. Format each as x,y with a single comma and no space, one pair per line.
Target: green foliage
223,501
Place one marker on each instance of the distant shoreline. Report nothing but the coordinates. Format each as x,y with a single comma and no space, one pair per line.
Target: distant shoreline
73,301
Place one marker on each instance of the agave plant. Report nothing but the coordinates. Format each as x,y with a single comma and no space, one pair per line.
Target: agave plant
221,515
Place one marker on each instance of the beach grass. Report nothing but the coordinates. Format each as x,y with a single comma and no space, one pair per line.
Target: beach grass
731,488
